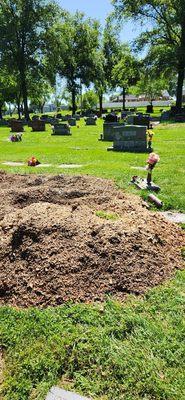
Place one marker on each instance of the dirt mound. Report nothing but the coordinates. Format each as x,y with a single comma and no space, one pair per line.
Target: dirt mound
78,238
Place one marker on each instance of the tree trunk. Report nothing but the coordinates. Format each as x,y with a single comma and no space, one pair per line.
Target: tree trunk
19,108
180,82
25,99
1,113
23,84
181,66
101,104
124,98
73,101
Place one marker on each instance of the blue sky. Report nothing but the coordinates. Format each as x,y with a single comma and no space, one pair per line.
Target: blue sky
99,9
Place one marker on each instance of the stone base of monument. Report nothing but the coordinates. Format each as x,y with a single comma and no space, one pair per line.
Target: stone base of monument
60,394
142,184
61,130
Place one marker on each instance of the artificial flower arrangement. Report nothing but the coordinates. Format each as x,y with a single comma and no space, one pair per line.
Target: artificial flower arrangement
16,137
153,159
33,162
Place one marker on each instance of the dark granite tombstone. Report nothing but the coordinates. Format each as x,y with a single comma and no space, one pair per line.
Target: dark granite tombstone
124,114
38,125
64,118
76,116
90,121
165,116
150,109
16,126
141,120
180,118
72,121
130,138
61,130
4,122
112,117
108,131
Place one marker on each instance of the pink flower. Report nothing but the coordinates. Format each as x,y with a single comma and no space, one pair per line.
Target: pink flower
153,159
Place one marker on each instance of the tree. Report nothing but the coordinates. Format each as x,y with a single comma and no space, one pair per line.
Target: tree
39,92
151,87
8,89
22,27
166,28
126,71
89,100
107,57
75,42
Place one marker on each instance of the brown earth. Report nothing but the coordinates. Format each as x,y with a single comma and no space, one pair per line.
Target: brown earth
54,248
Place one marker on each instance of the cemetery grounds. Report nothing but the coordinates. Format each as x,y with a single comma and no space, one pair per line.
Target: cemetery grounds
111,350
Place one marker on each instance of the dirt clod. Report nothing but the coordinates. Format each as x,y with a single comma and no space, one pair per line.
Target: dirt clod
54,247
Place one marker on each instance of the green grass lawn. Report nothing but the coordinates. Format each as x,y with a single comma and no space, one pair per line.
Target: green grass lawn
110,352
83,148
107,351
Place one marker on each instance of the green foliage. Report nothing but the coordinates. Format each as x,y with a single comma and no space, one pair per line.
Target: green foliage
165,33
126,71
22,30
75,42
110,351
89,100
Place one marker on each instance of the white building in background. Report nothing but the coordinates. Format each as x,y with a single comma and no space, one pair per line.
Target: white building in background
132,101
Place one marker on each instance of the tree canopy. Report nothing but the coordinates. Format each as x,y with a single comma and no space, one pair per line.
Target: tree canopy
165,30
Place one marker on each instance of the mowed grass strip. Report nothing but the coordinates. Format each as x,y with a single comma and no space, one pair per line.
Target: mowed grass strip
84,149
110,351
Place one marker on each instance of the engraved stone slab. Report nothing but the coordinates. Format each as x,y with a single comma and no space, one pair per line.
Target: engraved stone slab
60,394
61,129
130,138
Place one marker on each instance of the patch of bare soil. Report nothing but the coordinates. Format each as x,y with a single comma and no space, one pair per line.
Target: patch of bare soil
54,248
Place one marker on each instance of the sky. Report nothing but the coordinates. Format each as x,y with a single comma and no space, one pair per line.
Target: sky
99,9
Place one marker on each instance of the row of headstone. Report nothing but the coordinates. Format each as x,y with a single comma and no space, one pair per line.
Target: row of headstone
142,120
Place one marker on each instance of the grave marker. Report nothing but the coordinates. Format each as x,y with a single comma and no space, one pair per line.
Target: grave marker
130,138
16,126
38,125
90,121
60,394
141,120
108,131
61,130
72,121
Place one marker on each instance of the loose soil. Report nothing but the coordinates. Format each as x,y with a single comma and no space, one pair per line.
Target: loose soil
55,247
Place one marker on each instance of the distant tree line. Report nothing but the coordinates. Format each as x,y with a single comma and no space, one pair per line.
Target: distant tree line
39,41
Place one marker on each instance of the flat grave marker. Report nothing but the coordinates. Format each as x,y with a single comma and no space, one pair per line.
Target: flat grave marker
60,394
